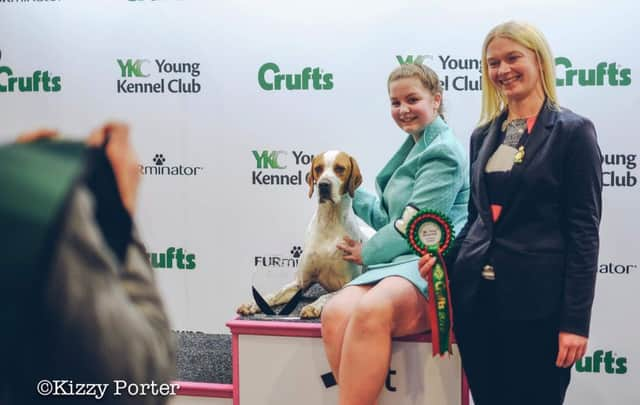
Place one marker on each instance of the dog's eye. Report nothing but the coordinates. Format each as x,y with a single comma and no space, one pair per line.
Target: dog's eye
318,169
339,169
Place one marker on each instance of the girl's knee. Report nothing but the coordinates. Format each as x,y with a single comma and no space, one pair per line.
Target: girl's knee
373,314
333,318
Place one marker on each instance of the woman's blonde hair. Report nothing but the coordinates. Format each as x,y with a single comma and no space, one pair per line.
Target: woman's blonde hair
493,101
425,74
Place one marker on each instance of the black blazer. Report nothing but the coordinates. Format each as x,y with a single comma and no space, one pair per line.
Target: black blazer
544,246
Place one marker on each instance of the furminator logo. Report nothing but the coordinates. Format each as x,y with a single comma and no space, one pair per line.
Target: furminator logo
270,78
135,77
37,81
279,260
276,167
158,168
620,170
173,258
603,74
616,268
448,66
602,362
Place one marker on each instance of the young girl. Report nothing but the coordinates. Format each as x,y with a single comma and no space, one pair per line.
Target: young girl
389,299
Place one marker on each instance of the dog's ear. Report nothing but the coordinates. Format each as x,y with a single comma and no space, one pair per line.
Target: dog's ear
355,177
311,179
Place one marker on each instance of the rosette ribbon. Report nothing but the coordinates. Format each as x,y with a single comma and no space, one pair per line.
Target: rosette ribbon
431,232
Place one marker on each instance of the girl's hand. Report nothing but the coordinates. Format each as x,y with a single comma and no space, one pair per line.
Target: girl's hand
352,250
425,265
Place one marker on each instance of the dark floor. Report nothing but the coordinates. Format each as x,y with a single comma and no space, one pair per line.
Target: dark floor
205,357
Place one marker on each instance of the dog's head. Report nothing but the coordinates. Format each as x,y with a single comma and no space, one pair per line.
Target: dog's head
336,173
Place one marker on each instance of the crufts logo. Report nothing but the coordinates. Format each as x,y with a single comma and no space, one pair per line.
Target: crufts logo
279,160
613,176
38,81
270,78
605,73
600,361
173,258
279,261
158,168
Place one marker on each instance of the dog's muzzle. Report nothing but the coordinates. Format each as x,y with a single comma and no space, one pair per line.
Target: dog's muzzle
324,191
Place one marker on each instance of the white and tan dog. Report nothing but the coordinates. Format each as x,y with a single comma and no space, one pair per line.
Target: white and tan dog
336,176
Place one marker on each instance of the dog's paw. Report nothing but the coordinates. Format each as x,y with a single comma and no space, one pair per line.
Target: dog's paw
247,309
310,311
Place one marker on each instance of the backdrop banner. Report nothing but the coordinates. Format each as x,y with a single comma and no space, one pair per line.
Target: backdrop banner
228,101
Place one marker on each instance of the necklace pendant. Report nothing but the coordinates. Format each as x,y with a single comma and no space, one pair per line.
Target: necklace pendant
519,156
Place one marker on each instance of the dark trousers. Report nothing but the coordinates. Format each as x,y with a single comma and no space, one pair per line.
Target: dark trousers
509,362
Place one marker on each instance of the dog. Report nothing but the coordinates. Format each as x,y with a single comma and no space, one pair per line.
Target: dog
335,175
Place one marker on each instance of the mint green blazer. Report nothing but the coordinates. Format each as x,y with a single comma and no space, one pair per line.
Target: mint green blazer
432,173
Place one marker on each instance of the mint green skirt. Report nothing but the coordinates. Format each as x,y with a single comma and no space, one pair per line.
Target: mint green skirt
405,268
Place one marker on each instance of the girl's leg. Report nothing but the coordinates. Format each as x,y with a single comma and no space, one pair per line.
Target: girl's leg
335,316
393,307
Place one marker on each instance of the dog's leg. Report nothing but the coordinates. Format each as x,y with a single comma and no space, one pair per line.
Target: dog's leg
314,309
281,297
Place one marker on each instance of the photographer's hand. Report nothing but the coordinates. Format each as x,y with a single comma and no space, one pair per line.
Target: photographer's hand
123,160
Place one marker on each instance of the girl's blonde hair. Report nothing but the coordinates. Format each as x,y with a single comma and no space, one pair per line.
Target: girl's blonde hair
425,74
493,101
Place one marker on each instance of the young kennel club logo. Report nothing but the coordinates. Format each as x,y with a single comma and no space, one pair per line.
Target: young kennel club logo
280,167
159,168
620,170
601,361
158,76
459,74
35,82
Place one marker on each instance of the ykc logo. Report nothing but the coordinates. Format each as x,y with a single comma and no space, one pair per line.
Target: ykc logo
173,258
311,78
269,159
601,361
132,68
279,160
603,74
38,81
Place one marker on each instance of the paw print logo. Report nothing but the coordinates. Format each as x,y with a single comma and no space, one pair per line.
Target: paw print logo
159,159
296,251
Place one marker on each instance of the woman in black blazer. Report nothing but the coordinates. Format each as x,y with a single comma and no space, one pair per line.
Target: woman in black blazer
523,268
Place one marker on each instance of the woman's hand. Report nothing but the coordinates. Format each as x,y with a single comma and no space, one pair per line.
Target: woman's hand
352,250
425,264
571,348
